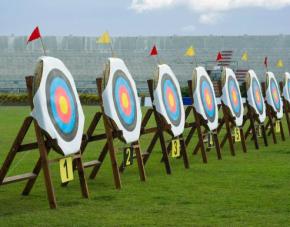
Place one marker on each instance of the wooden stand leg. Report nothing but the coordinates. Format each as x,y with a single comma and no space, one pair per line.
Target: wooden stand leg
13,151
255,137
282,130
150,148
286,107
100,159
183,151
83,182
30,183
140,161
264,135
243,141
217,145
200,138
272,129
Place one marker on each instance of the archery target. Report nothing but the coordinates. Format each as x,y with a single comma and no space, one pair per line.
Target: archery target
168,99
254,95
57,108
273,96
231,95
120,99
286,87
204,97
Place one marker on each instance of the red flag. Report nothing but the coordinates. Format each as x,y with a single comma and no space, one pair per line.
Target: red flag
219,56
154,51
34,35
266,61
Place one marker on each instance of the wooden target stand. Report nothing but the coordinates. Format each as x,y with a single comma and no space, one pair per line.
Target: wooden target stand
229,121
274,124
111,133
161,127
44,144
255,128
200,123
286,107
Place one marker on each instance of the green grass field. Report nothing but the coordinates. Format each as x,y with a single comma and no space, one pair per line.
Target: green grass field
246,190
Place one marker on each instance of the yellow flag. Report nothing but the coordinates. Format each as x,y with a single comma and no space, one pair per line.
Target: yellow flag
245,56
280,63
104,38
190,52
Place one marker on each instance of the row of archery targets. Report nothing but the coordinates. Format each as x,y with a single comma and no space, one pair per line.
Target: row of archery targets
58,120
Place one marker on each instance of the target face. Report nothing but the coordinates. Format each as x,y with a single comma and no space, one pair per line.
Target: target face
257,95
171,99
57,108
207,98
167,99
234,96
120,100
275,94
286,87
124,100
61,105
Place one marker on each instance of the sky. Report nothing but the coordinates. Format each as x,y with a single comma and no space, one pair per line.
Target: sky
145,17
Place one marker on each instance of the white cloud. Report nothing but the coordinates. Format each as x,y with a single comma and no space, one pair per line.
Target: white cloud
188,28
210,18
209,9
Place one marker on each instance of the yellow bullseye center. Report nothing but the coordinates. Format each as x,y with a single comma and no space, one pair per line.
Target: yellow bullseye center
208,100
171,99
63,105
234,95
125,100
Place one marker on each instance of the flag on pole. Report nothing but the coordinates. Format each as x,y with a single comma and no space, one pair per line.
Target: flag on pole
190,52
104,38
245,56
34,35
280,64
219,56
266,61
153,51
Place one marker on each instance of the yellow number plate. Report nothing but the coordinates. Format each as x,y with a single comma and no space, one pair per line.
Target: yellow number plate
237,134
66,169
277,126
175,148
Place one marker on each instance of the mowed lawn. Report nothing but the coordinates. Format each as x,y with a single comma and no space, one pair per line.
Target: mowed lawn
245,190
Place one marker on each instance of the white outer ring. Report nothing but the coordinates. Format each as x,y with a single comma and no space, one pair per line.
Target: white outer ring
116,64
158,100
40,111
226,99
197,103
269,98
250,97
286,94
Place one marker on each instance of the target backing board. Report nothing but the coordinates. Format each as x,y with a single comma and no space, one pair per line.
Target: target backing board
254,95
273,97
286,87
57,108
168,99
120,100
204,100
231,95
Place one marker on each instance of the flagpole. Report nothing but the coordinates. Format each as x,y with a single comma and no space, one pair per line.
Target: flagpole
43,46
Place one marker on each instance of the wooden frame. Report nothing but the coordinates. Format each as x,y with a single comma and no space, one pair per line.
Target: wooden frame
229,121
286,106
111,133
197,125
44,144
254,120
270,113
161,127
